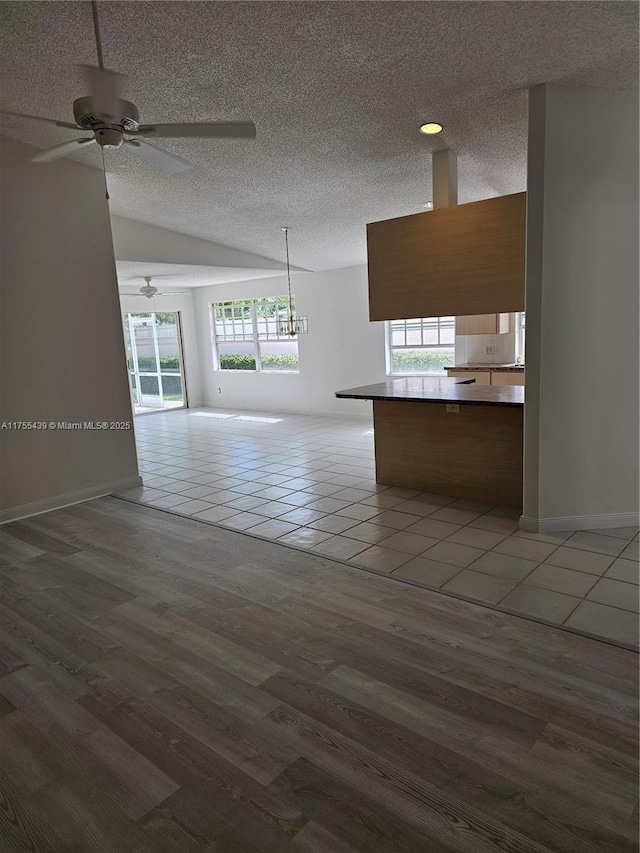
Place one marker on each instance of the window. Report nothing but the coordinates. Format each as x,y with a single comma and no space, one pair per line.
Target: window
245,333
424,345
520,326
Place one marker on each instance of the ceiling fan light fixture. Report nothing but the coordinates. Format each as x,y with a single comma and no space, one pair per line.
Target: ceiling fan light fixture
148,289
290,326
430,128
109,137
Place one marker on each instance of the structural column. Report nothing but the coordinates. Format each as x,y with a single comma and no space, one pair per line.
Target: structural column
581,411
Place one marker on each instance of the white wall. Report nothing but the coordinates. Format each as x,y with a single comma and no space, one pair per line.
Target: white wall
471,349
59,283
182,303
342,349
137,241
581,413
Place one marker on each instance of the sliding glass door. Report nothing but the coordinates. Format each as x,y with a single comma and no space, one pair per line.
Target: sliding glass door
154,358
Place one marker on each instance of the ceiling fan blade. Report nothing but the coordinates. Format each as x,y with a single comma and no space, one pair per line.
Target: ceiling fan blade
160,158
163,293
203,130
62,150
39,118
105,88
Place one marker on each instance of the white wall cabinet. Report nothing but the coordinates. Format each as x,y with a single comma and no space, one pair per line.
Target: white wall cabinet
482,324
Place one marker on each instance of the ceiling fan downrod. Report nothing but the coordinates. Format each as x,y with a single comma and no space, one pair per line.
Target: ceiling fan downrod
96,29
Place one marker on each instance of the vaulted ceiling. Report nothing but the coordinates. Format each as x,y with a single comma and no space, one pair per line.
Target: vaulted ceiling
336,90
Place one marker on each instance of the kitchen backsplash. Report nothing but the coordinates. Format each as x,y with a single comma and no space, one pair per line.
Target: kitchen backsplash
471,349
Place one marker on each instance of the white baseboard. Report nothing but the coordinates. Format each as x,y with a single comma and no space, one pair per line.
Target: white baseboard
60,501
365,417
579,522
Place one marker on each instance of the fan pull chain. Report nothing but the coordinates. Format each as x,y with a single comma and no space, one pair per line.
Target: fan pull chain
104,172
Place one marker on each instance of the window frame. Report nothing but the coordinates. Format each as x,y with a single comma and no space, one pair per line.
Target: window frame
521,328
390,348
256,338
131,319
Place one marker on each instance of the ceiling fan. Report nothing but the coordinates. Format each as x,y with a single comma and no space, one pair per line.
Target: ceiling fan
150,291
115,122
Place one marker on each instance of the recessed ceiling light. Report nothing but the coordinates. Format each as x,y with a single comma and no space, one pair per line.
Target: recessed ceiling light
431,127
428,205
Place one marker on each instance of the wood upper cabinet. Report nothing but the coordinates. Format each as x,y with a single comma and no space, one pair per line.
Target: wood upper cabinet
482,324
468,259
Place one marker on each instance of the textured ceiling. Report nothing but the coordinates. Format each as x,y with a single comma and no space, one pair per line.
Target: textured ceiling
336,91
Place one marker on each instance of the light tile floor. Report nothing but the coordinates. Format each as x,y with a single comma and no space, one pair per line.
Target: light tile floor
309,481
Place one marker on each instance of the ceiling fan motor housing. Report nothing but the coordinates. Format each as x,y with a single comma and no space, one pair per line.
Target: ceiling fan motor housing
128,117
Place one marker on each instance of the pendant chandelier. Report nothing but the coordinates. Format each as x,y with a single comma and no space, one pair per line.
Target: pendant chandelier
290,325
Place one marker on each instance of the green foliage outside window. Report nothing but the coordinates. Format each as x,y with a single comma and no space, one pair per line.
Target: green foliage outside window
283,363
167,362
421,362
276,363
237,362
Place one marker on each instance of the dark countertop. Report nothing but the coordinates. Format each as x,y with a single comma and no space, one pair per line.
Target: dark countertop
422,389
487,368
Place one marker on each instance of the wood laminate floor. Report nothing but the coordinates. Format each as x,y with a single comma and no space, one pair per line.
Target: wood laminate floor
169,686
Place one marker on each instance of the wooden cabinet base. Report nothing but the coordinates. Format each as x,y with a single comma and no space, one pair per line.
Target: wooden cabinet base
475,453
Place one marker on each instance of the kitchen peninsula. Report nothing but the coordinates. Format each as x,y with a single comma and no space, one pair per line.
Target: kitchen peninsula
448,436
